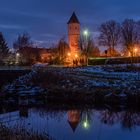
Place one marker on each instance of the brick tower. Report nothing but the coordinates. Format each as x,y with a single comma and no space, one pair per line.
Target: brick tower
73,34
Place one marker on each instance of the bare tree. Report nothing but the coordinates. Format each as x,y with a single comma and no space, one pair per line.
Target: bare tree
62,50
22,41
96,52
130,35
4,50
109,35
87,46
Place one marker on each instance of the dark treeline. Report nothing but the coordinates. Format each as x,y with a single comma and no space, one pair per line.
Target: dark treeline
111,35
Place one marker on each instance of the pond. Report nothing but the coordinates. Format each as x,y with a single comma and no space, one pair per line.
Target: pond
75,123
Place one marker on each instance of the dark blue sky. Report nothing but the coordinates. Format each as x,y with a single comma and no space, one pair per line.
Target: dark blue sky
45,20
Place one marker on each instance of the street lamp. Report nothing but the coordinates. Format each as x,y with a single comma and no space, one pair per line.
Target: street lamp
76,55
69,58
135,51
17,57
69,54
17,54
86,34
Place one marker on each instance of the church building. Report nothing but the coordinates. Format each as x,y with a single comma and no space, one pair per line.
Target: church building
74,35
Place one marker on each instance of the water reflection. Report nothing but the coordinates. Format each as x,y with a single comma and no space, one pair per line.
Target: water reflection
127,118
86,119
77,123
74,118
23,111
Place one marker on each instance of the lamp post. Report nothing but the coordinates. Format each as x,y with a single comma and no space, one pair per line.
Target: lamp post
86,34
17,54
69,54
17,57
69,59
76,55
135,50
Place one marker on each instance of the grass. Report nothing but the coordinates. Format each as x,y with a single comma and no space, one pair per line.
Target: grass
20,134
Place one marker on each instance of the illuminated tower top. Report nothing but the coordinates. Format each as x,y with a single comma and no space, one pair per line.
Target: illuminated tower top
73,34
73,19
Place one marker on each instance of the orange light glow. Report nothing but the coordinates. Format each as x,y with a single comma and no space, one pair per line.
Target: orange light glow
69,54
135,49
76,55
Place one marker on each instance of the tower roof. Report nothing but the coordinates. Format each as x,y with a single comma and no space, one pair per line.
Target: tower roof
73,19
73,125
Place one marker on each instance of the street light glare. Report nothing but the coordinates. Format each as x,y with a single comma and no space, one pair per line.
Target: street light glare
136,50
76,55
17,54
85,32
86,125
69,54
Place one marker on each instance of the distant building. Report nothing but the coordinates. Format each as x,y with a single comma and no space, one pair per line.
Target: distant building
45,54
30,55
74,34
111,53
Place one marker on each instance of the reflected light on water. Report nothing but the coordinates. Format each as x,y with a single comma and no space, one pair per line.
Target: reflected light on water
86,123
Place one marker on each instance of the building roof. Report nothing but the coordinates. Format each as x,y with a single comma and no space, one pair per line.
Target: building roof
73,19
34,50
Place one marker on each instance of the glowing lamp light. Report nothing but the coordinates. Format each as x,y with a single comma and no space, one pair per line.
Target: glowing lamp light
135,49
86,125
76,55
85,32
17,54
69,54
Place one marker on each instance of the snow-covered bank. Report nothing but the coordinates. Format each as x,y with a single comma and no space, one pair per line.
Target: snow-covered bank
107,76
99,81
24,85
79,83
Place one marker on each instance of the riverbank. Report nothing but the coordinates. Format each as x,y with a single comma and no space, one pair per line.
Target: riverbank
94,84
9,73
19,133
118,84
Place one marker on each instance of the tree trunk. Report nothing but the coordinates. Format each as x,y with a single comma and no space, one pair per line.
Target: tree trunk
86,60
132,58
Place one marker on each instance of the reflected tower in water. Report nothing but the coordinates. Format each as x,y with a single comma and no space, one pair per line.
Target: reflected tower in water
74,118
